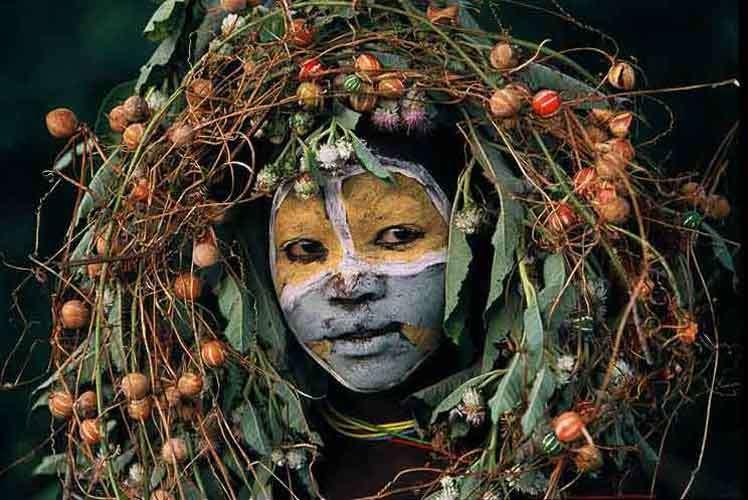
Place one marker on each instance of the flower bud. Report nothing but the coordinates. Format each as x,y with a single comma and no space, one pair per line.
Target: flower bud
60,404
135,385
75,314
62,123
132,136
446,15
364,100
86,404
188,286
213,353
546,103
117,119
622,76
502,56
620,124
89,431
190,384
205,254
309,95
140,409
505,103
568,426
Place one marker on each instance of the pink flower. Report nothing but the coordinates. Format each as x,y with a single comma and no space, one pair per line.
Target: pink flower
386,116
417,120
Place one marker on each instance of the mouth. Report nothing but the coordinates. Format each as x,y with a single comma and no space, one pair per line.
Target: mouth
366,343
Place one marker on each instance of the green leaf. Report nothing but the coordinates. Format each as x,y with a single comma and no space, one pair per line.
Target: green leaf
541,392
554,278
252,429
116,342
101,187
83,247
235,305
167,20
390,60
273,29
459,256
345,116
160,58
293,412
212,16
434,394
51,464
500,321
721,252
368,160
115,97
511,388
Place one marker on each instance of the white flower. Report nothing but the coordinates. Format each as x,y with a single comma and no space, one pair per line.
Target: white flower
345,149
469,219
472,407
278,457
621,373
328,156
295,458
230,23
565,366
136,473
449,489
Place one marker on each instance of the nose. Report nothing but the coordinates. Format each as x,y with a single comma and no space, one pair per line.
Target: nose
354,287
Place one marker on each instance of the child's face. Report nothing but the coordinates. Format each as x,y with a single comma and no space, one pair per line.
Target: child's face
359,272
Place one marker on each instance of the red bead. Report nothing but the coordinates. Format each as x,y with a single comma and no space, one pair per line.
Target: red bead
310,69
546,102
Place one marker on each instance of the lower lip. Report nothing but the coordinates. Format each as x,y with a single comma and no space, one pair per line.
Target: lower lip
365,346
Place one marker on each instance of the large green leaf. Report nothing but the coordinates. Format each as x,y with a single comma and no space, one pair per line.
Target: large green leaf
455,396
500,321
541,392
436,393
459,256
51,464
368,160
293,412
511,388
719,247
160,58
167,20
555,301
101,188
252,429
116,341
236,306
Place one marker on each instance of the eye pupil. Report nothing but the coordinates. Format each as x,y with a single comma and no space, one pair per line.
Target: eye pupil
305,251
393,237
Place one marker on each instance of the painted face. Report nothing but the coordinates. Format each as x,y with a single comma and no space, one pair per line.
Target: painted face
359,272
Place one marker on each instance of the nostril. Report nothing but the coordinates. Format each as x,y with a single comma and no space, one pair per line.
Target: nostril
353,301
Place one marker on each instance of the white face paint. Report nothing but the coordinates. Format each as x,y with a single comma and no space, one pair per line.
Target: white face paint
360,276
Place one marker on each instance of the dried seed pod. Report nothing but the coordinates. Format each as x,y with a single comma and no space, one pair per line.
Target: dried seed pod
300,34
446,15
94,269
205,254
75,314
505,103
233,6
135,385
622,76
136,109
610,167
118,121
62,123
716,206
619,146
546,103
111,248
600,116
187,286
615,211
141,191
391,87
502,56
140,409
60,404
365,100
367,64
620,124
161,495
174,451
562,217
199,92
568,426
588,458
693,193
181,135
596,134
173,396
190,384
585,182
132,136
309,95
213,353
86,404
89,431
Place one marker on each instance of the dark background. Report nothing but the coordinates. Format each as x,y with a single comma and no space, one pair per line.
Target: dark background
72,53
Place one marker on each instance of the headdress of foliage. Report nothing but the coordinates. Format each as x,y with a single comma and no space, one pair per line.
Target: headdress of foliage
531,295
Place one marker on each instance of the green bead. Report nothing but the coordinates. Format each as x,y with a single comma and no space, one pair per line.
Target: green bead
551,444
352,84
692,219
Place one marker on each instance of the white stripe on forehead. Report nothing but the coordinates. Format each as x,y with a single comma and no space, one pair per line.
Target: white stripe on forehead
332,190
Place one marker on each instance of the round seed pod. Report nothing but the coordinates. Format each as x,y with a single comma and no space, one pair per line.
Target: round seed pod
391,87
205,254
546,103
187,286
132,136
89,431
693,193
600,116
445,15
585,182
310,69
136,109
562,217
172,395
117,119
62,123
309,95
716,207
174,451
141,191
350,83
364,100
199,92
505,103
140,409
619,146
111,248
596,134
615,211
622,76
568,426
190,384
610,167
181,135
135,385
75,314
60,404
233,6
161,495
86,404
367,64
213,353
502,56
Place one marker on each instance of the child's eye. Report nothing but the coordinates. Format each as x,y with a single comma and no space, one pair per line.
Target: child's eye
395,236
304,250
